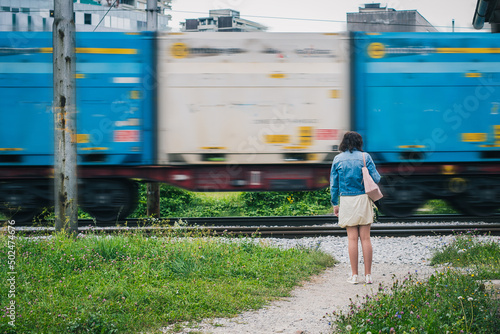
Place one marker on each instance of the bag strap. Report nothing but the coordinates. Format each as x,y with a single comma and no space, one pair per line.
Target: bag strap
364,162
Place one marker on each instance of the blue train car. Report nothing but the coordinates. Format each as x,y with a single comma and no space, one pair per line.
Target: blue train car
115,85
427,104
115,118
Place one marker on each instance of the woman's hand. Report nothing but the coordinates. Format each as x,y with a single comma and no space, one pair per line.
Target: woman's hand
336,210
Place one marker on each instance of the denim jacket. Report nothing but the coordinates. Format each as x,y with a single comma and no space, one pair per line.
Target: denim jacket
346,177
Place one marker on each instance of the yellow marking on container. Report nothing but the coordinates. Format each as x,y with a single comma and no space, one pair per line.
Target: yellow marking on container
82,138
179,50
411,146
490,145
474,137
496,133
473,75
97,51
335,94
135,95
277,139
94,148
277,75
107,51
448,169
294,147
376,50
79,76
213,148
468,50
176,33
132,33
11,149
306,135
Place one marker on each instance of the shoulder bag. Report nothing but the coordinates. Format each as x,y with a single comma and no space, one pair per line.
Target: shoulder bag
371,188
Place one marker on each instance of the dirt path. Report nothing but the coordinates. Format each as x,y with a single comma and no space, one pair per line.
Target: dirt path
309,307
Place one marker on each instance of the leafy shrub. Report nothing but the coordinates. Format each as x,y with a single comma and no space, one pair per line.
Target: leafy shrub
172,200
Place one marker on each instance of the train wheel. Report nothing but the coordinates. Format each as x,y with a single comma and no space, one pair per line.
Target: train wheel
400,199
109,200
389,208
21,201
480,199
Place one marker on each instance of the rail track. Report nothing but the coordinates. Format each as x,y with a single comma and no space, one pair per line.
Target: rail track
289,227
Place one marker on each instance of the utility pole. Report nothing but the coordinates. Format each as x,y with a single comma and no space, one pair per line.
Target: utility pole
64,106
153,189
152,16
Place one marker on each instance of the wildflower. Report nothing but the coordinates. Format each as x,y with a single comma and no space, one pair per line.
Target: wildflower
348,327
470,299
460,297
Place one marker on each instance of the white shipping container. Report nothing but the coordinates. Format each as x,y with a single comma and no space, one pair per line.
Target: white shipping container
251,98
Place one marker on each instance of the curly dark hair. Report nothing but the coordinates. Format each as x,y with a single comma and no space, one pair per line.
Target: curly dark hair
352,140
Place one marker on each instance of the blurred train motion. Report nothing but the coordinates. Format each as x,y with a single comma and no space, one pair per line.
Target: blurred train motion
255,112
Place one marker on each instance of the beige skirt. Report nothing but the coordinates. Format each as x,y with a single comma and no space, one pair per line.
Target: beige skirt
355,210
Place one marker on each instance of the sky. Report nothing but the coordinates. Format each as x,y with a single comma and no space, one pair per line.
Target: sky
315,14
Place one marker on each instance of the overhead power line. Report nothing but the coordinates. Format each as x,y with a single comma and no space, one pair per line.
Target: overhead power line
105,15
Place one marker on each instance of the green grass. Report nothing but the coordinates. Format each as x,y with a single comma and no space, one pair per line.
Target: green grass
436,206
473,252
453,300
131,283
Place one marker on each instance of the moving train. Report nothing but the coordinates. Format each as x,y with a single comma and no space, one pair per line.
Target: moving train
255,112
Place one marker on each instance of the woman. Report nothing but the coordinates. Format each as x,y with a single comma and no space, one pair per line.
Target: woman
355,211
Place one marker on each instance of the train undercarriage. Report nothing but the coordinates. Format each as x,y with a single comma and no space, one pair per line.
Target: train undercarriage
111,193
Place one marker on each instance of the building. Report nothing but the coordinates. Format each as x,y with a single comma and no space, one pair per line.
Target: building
90,15
221,20
374,18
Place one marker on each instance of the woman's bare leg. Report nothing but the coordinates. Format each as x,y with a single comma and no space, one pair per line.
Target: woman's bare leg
352,246
366,244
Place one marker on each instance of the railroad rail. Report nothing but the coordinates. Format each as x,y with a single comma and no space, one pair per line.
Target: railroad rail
291,227
274,221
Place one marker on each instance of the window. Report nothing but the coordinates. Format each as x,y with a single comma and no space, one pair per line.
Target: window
25,10
15,10
87,18
5,9
141,25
